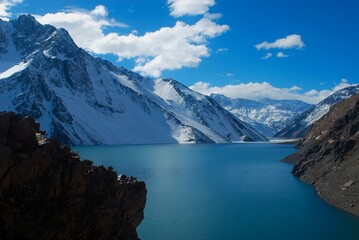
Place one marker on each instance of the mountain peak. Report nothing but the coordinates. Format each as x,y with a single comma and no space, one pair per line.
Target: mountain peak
65,35
26,22
29,36
25,18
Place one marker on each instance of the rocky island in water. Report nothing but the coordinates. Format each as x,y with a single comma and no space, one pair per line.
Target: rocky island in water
46,192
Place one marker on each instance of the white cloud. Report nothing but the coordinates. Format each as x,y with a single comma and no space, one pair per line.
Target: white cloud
219,50
295,88
5,6
134,32
257,91
267,56
179,8
343,84
100,10
168,48
213,16
290,41
282,55
229,75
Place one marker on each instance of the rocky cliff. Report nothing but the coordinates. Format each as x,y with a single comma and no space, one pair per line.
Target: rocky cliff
328,157
46,192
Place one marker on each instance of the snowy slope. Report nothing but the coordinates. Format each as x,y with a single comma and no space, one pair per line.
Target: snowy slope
267,116
299,126
84,100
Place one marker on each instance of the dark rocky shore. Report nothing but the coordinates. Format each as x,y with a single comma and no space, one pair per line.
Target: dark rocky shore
328,157
46,192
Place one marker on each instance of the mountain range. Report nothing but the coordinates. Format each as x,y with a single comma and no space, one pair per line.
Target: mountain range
83,100
267,116
300,125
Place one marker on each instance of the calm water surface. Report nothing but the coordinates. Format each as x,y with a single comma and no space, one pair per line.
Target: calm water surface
219,192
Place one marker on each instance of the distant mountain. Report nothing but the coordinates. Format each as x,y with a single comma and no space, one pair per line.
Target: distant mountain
299,126
83,100
328,155
267,116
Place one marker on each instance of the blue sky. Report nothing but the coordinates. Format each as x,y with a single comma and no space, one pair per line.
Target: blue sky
305,49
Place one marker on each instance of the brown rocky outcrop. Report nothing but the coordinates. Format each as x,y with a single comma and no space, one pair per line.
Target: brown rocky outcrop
328,157
46,192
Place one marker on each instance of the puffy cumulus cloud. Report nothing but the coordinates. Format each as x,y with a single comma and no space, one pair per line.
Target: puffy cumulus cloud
282,55
258,91
168,48
179,8
100,10
290,41
5,6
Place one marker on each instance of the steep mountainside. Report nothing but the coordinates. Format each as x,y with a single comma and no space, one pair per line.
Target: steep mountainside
299,126
267,116
329,156
85,100
46,192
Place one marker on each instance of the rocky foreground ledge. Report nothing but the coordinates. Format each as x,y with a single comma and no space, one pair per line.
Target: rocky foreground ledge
328,157
46,192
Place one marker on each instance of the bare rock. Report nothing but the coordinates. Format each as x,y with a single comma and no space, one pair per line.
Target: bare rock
46,192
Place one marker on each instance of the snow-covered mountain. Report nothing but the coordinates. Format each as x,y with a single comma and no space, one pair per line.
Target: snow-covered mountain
267,116
299,126
85,100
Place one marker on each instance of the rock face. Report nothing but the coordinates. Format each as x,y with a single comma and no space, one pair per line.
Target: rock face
300,124
328,157
46,192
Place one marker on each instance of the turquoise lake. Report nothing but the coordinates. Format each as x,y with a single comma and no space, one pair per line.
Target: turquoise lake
224,191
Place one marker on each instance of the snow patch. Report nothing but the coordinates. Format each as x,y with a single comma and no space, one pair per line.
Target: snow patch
316,114
17,68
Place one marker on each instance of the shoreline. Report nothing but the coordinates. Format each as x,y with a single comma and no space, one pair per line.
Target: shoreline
334,182
294,159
